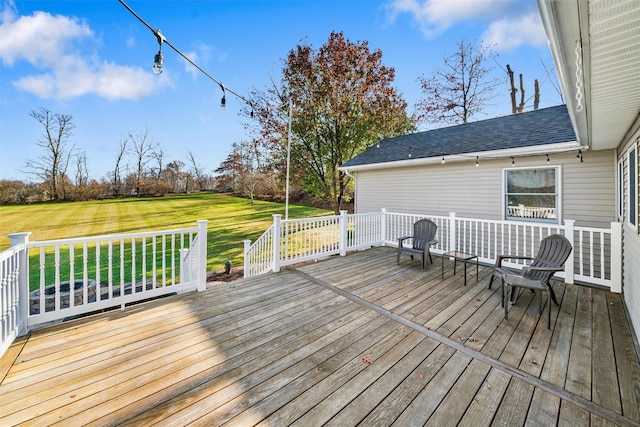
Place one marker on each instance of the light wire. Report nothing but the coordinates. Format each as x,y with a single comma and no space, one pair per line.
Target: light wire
160,36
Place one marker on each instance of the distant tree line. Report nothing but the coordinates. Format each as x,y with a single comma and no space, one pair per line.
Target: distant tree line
62,173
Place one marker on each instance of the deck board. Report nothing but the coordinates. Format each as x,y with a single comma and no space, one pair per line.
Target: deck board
355,340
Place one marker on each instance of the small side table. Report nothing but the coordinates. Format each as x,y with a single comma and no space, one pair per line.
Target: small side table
460,256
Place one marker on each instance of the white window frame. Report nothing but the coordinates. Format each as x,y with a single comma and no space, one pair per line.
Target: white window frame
631,157
621,198
558,194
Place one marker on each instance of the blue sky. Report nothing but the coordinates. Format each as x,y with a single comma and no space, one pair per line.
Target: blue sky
92,60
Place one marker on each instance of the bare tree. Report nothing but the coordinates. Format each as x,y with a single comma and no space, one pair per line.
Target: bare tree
82,171
197,172
175,175
519,108
461,88
158,155
116,178
51,167
142,148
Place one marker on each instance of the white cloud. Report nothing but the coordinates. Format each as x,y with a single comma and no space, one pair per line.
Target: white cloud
507,33
510,23
54,45
436,16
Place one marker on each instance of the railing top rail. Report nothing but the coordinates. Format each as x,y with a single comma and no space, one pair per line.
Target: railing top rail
106,237
9,252
315,218
416,214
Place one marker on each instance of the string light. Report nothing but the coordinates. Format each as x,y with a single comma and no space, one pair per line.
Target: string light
513,161
442,159
223,101
477,161
579,156
548,160
159,59
410,152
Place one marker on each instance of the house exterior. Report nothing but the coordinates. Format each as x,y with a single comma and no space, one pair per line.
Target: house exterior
527,167
577,161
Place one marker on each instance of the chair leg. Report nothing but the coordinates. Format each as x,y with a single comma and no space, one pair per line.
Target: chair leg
398,257
505,301
491,281
424,264
548,310
540,303
430,259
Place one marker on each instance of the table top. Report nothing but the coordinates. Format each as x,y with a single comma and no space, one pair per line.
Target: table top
460,255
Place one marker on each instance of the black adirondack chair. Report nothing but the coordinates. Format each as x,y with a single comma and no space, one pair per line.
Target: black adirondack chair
424,232
552,254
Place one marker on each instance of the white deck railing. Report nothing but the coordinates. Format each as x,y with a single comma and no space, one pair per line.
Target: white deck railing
595,259
57,279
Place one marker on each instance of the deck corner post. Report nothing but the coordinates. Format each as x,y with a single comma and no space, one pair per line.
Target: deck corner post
202,250
452,233
247,260
277,219
23,279
383,227
616,257
344,221
569,266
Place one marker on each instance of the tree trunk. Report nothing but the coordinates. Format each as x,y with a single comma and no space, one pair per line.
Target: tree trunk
513,90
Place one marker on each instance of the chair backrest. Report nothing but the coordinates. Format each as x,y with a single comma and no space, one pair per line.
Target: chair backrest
553,251
424,231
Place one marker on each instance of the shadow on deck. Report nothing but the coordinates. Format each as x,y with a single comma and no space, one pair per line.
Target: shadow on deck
345,341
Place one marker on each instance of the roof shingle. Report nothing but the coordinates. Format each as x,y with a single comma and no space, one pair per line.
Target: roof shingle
545,126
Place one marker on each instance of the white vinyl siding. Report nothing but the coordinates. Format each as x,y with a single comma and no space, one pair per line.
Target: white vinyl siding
588,188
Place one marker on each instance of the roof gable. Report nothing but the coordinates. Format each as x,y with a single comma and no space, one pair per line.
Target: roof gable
535,128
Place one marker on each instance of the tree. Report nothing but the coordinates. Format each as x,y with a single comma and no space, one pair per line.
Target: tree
51,167
142,148
197,172
342,100
116,179
460,89
519,108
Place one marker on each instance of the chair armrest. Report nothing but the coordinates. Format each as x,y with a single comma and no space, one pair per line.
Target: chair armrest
502,257
402,239
550,268
433,242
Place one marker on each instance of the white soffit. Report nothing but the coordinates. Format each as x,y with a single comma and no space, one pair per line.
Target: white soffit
614,45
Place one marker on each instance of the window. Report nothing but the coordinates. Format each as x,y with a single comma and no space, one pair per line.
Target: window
632,189
532,194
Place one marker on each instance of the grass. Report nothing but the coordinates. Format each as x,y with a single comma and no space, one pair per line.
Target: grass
231,220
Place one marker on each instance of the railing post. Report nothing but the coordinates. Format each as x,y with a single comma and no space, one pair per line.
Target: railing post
344,221
616,257
277,218
202,252
383,226
452,232
23,279
247,260
569,266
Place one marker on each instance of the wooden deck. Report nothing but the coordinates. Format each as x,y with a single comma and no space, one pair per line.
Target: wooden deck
352,340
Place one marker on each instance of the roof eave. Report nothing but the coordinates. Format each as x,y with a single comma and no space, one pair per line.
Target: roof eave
564,23
561,147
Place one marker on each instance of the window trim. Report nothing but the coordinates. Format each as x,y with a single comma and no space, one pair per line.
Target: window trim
632,187
558,194
621,195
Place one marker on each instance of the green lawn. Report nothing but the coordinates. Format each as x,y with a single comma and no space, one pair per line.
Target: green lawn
231,220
